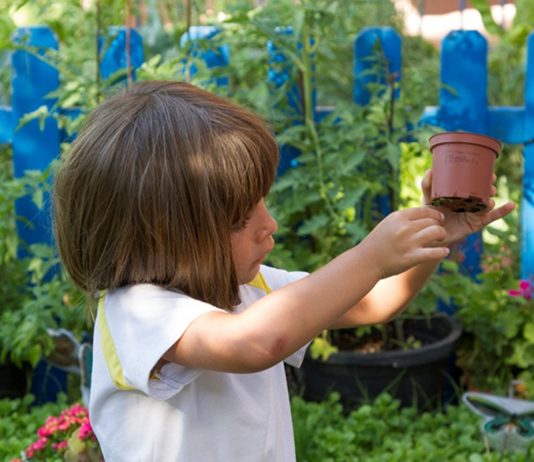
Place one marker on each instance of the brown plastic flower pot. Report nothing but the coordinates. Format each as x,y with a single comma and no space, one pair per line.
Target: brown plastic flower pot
462,170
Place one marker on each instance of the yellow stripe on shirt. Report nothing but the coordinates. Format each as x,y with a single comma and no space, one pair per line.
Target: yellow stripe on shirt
109,351
259,282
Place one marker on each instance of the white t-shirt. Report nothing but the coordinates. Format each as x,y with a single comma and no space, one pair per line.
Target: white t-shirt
184,414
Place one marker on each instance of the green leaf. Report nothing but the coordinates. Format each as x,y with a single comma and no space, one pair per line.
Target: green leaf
314,224
483,7
321,348
528,332
34,354
41,114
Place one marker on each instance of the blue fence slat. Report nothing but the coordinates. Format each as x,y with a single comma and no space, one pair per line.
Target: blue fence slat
377,58
279,74
527,202
365,59
463,106
6,125
114,50
213,57
34,146
507,124
464,79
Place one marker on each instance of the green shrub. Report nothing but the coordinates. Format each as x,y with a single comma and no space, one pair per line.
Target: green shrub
384,432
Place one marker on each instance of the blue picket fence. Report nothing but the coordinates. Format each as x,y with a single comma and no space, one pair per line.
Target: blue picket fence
463,106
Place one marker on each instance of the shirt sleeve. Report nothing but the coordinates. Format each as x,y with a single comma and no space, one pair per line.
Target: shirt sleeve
297,358
144,322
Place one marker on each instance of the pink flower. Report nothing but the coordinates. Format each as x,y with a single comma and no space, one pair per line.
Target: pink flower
64,425
60,446
49,427
39,445
55,433
36,446
526,290
86,431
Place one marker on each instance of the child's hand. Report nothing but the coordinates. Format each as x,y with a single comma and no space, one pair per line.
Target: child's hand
460,224
406,238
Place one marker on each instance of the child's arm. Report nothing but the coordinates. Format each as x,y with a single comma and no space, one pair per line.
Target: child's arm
391,295
387,298
285,320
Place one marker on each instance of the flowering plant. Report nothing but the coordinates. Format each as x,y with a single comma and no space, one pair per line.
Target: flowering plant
526,290
68,437
498,341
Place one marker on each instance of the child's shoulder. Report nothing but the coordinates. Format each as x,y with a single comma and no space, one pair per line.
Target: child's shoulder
142,295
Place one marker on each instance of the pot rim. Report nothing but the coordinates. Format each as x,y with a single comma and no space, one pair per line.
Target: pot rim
466,137
436,351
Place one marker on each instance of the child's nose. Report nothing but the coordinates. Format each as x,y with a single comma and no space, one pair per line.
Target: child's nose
269,226
272,224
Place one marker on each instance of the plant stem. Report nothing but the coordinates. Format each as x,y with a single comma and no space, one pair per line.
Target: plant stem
395,189
399,331
188,11
97,38
128,51
309,119
390,78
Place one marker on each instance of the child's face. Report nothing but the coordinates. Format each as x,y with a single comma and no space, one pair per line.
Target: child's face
252,243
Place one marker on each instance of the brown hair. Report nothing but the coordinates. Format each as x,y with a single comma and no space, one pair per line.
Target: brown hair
153,187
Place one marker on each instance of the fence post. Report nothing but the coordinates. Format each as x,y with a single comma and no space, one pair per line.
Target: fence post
34,146
464,79
278,75
370,41
527,201
6,125
124,50
213,57
464,106
377,60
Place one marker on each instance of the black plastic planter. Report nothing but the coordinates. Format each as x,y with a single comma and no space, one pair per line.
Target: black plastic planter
13,380
415,377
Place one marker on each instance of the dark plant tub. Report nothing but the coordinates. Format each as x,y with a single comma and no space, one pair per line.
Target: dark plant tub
415,377
13,380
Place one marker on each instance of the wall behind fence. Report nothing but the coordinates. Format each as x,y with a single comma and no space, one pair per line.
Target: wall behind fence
463,106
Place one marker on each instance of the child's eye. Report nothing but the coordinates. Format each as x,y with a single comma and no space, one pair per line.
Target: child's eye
241,224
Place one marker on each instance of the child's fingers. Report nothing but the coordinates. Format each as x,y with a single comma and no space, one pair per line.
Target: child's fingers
497,213
418,213
424,223
425,254
426,186
430,235
427,178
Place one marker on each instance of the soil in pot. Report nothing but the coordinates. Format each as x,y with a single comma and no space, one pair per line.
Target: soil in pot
462,169
416,377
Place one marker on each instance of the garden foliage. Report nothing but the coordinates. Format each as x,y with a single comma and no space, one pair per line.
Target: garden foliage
354,165
380,431
383,432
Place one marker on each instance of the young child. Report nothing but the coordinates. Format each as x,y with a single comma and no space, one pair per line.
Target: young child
159,209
